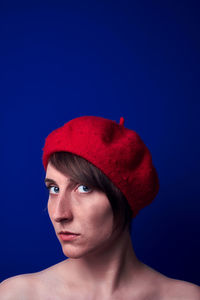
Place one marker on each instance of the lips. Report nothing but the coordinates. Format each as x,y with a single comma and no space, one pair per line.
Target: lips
67,232
66,236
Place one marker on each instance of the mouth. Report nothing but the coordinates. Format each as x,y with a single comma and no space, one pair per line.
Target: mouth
67,232
67,236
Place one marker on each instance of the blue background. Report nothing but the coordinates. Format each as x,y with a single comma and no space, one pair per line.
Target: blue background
136,59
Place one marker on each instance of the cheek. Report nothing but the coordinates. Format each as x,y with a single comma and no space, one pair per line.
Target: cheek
100,221
49,209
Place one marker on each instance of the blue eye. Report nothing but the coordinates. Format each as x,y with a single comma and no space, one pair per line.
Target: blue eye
53,189
84,188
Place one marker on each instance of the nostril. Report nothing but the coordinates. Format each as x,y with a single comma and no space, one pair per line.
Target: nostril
61,219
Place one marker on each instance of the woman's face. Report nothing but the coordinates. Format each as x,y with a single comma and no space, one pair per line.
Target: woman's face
81,210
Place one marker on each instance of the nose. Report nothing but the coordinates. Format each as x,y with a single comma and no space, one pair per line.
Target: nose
62,209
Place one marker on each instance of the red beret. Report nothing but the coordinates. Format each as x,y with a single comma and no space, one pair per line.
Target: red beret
117,151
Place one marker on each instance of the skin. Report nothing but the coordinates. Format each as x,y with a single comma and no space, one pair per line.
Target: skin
101,265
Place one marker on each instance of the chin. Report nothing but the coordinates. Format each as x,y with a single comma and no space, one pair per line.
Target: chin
77,251
72,254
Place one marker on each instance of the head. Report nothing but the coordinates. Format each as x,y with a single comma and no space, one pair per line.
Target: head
87,202
107,157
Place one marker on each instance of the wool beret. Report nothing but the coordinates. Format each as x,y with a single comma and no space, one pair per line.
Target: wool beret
117,151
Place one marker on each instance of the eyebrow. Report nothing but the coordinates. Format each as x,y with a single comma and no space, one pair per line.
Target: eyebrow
50,180
71,181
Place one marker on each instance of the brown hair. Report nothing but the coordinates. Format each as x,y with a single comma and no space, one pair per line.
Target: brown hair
82,171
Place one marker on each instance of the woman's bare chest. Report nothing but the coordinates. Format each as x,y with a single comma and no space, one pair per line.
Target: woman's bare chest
55,292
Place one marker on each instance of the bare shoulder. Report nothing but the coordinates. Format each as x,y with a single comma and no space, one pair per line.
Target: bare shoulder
33,286
16,287
30,286
174,289
166,288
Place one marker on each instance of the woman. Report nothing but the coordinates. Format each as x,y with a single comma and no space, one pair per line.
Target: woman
99,175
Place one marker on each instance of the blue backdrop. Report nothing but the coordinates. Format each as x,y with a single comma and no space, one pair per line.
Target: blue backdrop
136,59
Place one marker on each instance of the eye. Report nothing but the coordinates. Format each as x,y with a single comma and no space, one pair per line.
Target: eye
53,189
84,189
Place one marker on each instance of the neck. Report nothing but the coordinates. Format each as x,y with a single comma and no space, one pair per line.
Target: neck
108,269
